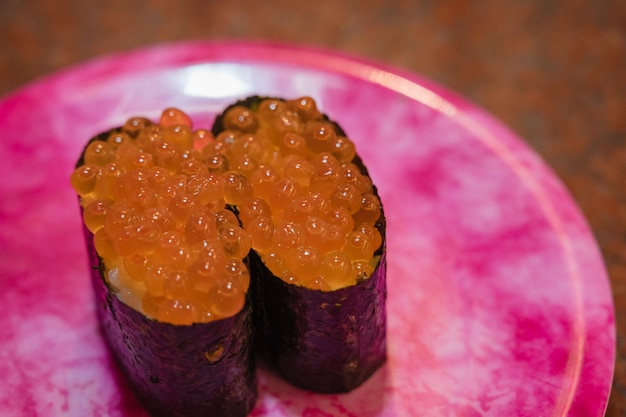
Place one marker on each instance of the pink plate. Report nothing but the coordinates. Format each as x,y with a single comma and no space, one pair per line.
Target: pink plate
499,302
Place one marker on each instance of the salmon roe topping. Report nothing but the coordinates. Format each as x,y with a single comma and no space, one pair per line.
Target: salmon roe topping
317,225
157,215
155,197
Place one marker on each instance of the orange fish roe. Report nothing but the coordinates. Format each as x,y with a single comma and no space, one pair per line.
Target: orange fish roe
155,197
316,226
158,218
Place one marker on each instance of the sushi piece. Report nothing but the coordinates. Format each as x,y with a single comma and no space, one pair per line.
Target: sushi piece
169,268
318,240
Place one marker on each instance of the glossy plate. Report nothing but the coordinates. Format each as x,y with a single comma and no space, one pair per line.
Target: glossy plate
499,302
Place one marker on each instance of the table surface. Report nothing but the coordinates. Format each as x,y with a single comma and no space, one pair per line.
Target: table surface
555,75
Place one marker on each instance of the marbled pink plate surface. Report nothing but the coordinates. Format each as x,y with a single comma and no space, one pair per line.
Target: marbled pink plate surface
499,302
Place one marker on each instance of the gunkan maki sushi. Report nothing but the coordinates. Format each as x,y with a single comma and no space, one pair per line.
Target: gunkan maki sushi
264,233
169,268
318,240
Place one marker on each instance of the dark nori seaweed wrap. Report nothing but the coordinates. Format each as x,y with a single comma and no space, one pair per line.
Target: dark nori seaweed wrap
323,341
326,342
187,370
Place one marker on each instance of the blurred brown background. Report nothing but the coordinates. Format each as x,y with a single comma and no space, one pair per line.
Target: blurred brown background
555,73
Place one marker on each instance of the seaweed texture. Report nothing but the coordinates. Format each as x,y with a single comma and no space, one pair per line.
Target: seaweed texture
323,341
179,370
326,342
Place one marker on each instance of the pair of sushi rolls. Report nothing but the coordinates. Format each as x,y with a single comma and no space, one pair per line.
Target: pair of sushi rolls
266,227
